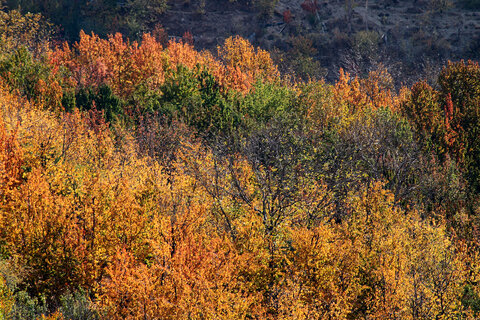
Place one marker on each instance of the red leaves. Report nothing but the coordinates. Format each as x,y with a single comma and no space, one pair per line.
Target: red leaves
287,16
188,38
310,6
123,65
448,118
11,159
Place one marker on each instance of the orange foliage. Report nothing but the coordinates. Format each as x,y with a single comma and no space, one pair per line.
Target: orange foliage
349,91
123,65
50,93
378,87
202,238
10,158
185,54
69,210
256,64
229,77
148,60
450,133
371,93
193,270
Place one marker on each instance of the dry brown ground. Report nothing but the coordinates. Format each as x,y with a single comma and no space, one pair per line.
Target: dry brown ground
413,37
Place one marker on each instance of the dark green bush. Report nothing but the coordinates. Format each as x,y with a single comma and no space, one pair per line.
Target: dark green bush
101,98
194,96
22,72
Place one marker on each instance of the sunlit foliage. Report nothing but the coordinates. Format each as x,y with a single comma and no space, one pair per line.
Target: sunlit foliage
139,181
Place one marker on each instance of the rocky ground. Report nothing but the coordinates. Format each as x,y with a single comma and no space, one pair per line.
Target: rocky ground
410,37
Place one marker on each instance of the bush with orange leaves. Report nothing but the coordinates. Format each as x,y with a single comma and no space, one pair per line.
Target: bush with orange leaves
238,53
94,61
376,91
11,160
124,65
62,201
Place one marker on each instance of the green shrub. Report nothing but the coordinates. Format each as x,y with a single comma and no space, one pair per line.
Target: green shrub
265,7
77,306
366,43
22,72
102,98
193,97
267,101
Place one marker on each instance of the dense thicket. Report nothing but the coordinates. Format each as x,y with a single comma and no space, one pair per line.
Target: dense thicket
131,17
146,182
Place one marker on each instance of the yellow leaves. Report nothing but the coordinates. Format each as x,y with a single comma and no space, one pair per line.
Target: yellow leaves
409,256
54,316
244,64
358,97
6,299
325,267
206,237
229,75
238,52
191,271
69,210
380,262
29,30
123,65
36,131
